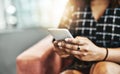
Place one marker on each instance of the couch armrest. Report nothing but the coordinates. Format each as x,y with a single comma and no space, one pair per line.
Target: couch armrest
39,59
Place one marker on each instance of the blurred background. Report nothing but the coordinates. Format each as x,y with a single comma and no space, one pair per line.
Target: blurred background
22,24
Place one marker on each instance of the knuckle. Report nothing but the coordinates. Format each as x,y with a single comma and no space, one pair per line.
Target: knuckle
68,45
71,47
76,47
87,48
85,38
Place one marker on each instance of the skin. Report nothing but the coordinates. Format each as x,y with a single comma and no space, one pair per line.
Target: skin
88,50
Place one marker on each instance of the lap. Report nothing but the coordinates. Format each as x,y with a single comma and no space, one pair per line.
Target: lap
105,68
98,68
71,72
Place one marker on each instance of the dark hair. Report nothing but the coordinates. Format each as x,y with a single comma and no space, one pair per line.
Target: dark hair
113,3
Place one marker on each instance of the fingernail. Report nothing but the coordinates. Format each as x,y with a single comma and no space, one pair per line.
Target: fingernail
59,44
55,42
67,39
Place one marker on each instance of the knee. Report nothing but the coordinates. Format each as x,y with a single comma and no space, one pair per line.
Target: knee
71,72
106,68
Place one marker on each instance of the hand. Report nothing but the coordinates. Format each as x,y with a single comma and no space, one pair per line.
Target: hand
88,50
60,50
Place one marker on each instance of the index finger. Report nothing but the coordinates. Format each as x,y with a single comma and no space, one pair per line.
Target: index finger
75,41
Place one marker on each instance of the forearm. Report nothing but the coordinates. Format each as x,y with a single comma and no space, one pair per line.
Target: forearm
113,55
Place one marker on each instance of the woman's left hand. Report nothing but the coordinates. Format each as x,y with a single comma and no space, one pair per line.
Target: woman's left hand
83,49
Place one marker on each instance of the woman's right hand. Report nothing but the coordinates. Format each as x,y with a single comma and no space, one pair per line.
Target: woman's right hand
60,50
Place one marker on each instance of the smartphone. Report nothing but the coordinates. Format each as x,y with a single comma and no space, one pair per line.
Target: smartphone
60,34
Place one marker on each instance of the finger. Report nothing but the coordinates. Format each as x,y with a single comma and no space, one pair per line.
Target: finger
75,53
75,41
56,42
76,47
79,53
61,44
71,46
68,46
81,37
60,50
71,40
68,51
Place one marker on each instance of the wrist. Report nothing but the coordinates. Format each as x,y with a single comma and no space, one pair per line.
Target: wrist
102,54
